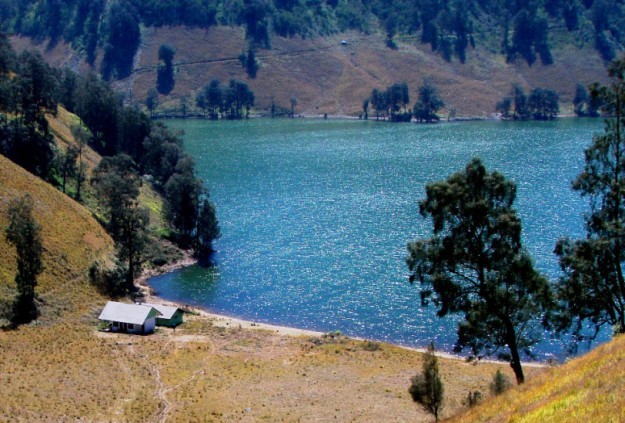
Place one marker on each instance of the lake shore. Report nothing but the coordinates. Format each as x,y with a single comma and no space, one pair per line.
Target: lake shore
225,321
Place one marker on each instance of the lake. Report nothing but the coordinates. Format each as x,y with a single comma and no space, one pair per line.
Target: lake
315,215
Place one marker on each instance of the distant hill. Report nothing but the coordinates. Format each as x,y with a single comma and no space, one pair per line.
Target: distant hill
328,54
326,76
587,389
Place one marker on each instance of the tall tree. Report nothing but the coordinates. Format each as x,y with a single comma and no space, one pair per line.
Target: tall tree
207,230
427,388
117,183
428,103
165,73
24,233
579,101
81,135
592,289
182,195
474,264
151,101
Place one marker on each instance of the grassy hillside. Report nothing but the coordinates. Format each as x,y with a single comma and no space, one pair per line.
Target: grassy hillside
589,388
328,77
72,240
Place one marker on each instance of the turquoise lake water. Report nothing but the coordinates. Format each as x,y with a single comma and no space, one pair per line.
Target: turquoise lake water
316,214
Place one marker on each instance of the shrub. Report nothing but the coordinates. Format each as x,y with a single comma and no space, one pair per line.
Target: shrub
500,383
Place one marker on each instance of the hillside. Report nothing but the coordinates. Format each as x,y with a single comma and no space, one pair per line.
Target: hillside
328,77
589,388
72,240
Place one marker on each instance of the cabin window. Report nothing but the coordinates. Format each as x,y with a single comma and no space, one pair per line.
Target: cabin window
115,324
131,326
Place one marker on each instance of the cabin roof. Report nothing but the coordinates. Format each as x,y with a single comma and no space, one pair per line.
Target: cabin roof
167,312
128,313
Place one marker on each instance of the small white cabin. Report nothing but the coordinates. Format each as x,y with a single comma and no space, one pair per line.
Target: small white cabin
130,318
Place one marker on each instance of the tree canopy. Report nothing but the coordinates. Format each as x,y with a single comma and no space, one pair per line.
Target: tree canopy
592,289
24,234
474,265
451,28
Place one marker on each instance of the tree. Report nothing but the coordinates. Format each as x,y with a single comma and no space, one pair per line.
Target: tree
67,165
427,388
521,110
293,102
31,94
251,64
504,107
474,264
592,289
151,101
24,234
500,383
365,109
81,135
207,230
182,200
428,103
117,183
579,101
121,38
165,73
543,104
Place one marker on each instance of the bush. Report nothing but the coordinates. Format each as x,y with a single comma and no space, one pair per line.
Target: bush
473,398
500,384
110,281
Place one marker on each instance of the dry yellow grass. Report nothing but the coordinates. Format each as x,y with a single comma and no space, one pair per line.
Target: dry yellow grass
72,240
587,389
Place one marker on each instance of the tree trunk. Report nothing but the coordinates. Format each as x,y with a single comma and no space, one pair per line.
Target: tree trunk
515,358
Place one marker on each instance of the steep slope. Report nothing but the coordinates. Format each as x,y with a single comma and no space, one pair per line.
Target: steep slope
327,76
72,240
588,388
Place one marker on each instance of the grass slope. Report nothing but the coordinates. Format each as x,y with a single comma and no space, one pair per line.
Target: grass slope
72,240
328,77
589,388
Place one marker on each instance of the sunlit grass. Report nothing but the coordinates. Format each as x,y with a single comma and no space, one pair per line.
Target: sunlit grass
588,388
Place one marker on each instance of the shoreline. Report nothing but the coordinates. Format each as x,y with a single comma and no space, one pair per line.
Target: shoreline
225,321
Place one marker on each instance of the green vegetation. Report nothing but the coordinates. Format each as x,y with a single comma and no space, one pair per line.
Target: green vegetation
427,388
131,144
588,388
24,233
427,104
165,76
228,102
541,104
392,103
474,264
451,28
592,290
500,383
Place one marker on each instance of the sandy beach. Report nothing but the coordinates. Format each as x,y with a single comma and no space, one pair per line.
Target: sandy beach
220,320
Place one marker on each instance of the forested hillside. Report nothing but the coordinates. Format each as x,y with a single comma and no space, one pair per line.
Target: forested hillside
518,28
315,57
